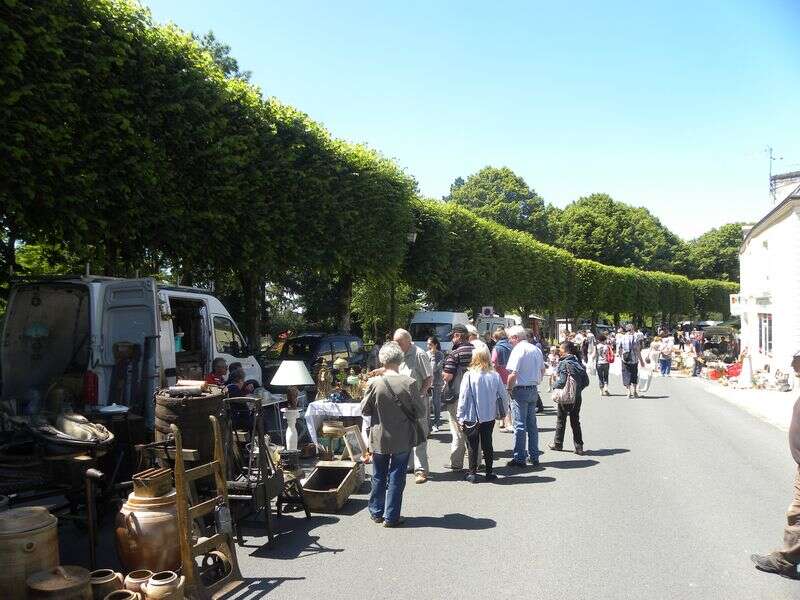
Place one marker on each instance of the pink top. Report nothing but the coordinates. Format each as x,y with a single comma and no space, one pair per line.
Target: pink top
501,370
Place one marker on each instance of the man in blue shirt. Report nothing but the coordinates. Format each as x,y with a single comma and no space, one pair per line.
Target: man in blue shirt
526,368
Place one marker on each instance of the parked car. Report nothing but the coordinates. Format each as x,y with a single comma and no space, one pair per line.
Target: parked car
311,348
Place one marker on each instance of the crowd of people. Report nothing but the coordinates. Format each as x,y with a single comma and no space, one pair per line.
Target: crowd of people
483,383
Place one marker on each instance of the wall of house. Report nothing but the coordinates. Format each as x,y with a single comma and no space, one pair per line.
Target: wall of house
770,284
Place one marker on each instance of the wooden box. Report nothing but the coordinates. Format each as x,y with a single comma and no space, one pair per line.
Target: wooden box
331,483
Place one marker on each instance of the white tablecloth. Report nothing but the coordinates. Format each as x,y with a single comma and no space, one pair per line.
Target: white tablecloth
319,410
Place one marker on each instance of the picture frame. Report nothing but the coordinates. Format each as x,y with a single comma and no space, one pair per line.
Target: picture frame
354,442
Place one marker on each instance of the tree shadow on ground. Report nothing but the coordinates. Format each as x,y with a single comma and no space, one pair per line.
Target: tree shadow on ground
450,521
354,505
606,451
293,538
253,588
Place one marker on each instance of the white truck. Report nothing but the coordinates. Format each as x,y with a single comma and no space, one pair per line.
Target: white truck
104,340
427,323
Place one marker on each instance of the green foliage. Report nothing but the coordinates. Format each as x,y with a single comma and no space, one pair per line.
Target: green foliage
462,261
221,53
371,305
715,254
713,296
502,196
598,228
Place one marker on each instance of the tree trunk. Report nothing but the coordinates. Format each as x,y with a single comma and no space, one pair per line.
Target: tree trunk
345,297
252,320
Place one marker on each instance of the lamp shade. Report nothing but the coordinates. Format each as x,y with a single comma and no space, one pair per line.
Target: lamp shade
292,372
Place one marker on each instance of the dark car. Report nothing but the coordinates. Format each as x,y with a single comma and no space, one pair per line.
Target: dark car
312,348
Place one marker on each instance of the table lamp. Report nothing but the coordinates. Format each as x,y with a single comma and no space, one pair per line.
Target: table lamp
292,373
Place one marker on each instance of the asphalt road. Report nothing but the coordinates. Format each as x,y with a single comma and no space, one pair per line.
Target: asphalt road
675,492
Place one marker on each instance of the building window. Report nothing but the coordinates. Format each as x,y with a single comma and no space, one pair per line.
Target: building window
765,333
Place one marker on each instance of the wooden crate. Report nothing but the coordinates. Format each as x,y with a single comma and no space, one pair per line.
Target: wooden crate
331,483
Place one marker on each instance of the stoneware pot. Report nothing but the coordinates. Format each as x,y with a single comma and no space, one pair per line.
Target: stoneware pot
123,595
135,579
28,544
147,533
166,585
60,583
104,581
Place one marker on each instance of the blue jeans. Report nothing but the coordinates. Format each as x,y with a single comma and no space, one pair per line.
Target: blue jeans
523,409
388,483
436,400
666,365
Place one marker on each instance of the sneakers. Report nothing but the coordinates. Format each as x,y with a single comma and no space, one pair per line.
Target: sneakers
435,429
420,477
397,523
376,519
515,463
452,468
770,564
534,461
579,450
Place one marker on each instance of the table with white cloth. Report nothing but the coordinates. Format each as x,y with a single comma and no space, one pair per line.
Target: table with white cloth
319,410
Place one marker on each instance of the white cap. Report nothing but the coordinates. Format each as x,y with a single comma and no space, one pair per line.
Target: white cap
472,330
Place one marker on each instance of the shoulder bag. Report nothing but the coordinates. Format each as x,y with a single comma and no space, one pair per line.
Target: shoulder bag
568,393
419,432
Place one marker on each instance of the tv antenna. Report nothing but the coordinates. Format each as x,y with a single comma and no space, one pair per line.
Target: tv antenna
772,158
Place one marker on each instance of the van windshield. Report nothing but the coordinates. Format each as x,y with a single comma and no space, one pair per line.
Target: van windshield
45,341
422,331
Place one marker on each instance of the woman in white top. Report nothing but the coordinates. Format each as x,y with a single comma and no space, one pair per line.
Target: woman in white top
481,387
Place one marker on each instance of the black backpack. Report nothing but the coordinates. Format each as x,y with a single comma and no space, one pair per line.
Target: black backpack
579,374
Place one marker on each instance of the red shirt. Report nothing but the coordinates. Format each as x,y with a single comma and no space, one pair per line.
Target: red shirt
215,379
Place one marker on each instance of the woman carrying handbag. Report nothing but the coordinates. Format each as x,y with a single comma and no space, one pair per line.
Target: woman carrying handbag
477,409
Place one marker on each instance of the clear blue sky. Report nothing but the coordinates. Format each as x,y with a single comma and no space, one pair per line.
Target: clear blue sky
667,105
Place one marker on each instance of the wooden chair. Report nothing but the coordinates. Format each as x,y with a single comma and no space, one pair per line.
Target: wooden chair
219,546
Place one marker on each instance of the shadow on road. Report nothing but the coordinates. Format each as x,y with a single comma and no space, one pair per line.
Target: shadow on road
293,539
606,451
509,477
257,587
570,464
450,521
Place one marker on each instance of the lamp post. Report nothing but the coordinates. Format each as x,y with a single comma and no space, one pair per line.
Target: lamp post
411,238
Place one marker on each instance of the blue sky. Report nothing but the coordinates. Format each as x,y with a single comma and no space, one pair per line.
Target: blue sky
667,105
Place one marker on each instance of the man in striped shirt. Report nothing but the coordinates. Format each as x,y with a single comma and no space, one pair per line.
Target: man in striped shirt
455,365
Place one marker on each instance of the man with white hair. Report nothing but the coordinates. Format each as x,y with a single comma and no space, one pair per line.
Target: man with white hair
474,338
417,365
526,369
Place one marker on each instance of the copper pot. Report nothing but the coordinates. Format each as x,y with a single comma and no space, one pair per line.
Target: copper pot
104,581
147,533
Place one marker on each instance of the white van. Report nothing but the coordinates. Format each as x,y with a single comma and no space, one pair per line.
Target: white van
488,325
107,340
427,323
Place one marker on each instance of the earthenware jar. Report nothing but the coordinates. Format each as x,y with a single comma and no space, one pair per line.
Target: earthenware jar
135,579
147,533
166,585
123,595
104,581
60,583
28,544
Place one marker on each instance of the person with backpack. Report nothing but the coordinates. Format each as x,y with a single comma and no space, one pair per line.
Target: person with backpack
572,379
630,354
455,365
605,356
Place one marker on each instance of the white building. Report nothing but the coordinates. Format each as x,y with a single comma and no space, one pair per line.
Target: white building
769,298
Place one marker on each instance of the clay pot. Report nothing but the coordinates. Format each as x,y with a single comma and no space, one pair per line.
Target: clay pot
135,579
104,581
166,585
28,544
147,533
60,583
123,595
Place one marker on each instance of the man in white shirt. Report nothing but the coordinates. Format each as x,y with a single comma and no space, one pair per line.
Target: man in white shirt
526,369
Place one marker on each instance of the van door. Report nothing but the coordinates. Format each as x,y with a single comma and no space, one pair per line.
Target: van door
130,315
167,341
228,343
